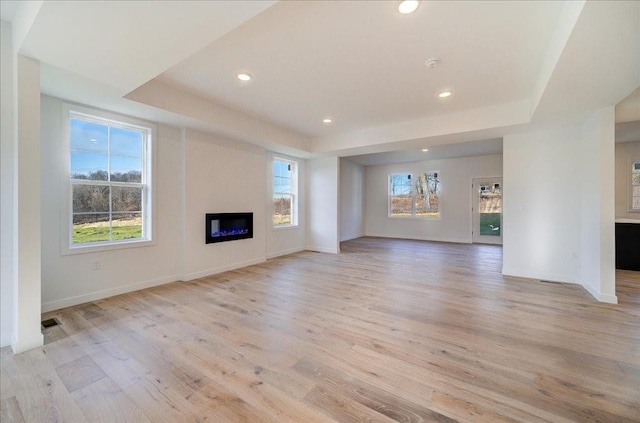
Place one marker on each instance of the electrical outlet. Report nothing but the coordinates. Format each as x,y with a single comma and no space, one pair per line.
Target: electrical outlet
96,265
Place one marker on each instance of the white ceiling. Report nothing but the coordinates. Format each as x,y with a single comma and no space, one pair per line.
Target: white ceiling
510,65
628,118
126,43
628,110
363,63
628,131
438,152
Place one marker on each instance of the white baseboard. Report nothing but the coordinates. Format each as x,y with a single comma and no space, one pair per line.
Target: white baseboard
323,249
603,298
284,253
555,277
418,238
543,276
25,344
216,270
5,339
350,237
106,293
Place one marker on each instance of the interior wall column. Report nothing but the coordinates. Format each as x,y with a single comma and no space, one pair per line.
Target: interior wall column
27,291
598,205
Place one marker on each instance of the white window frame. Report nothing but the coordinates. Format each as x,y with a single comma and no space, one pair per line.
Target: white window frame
295,177
633,163
414,195
70,111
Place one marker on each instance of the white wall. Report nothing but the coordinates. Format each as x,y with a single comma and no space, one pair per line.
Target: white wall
281,241
221,177
455,199
322,207
69,279
195,173
543,173
27,291
559,205
626,152
597,156
7,181
352,209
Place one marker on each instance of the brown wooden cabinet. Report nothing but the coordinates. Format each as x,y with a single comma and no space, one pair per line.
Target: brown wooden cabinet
628,246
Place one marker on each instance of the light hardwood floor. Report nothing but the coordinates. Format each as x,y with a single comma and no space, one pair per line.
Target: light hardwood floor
389,330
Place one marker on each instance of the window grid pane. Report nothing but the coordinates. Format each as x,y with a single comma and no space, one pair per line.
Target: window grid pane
126,226
126,199
91,227
401,205
90,198
282,209
89,165
430,188
400,184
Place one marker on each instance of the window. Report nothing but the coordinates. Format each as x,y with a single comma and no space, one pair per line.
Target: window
400,195
635,186
110,181
414,195
285,192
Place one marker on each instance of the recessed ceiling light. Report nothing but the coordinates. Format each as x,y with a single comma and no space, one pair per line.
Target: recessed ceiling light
244,77
327,120
445,94
424,150
408,6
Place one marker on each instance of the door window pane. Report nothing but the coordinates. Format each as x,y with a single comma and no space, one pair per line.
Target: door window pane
635,186
490,208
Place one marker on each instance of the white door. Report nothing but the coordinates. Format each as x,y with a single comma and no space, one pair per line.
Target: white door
487,210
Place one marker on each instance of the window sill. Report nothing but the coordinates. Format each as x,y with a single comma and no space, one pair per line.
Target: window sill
284,228
96,248
414,217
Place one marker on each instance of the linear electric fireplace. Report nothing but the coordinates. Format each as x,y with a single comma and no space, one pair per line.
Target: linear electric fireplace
222,227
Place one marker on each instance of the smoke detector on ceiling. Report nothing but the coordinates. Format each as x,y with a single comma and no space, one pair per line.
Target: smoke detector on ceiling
432,63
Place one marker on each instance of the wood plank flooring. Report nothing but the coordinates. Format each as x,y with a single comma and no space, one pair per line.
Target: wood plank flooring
386,331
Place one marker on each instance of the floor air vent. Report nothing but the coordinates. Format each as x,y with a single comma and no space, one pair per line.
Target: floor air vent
49,323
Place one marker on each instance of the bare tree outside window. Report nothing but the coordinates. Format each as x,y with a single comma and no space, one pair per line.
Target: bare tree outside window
414,195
